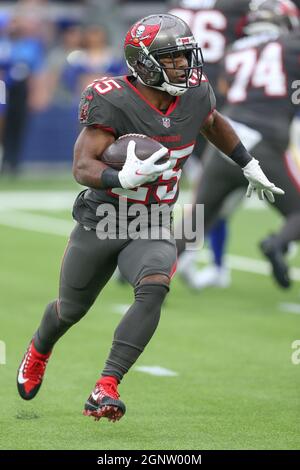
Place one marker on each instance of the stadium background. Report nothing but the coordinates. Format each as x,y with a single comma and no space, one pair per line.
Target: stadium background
224,357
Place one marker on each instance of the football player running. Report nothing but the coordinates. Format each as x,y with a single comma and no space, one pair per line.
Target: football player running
165,97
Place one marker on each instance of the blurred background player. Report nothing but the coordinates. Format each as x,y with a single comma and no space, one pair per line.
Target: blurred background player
259,71
83,53
216,24
21,68
49,51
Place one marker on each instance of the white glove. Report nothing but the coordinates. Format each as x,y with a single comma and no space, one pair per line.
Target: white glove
259,182
136,172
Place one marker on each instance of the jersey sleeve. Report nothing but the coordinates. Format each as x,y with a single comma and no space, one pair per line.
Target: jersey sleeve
209,100
96,111
212,98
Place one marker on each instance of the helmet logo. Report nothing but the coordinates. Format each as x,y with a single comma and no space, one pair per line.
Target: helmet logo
142,32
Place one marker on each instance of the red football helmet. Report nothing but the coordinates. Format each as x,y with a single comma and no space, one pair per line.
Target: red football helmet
154,37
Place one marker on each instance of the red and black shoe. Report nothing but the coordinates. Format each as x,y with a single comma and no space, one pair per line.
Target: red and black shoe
31,372
104,401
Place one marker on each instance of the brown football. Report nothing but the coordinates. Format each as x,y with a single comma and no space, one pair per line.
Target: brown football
115,155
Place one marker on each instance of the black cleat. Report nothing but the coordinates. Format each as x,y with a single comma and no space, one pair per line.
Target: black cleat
104,401
274,254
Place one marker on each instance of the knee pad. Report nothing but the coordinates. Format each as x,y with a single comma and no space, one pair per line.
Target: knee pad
151,294
53,314
70,312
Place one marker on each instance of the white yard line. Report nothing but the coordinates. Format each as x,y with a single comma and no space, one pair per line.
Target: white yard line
249,265
63,200
56,226
120,309
289,308
37,200
36,223
12,202
157,371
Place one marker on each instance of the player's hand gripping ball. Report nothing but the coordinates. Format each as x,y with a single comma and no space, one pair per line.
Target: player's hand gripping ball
115,155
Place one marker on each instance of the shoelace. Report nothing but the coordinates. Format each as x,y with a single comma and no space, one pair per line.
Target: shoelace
34,368
109,389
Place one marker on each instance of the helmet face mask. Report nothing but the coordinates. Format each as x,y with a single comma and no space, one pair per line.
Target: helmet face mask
162,53
148,71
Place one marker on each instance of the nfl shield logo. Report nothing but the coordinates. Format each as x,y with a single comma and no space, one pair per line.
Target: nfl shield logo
166,122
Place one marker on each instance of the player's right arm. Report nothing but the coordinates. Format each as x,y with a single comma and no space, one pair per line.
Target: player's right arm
98,116
88,170
89,146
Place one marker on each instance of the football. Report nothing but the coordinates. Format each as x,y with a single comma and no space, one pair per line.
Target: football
115,155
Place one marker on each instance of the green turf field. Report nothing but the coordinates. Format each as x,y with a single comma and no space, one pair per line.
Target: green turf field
236,387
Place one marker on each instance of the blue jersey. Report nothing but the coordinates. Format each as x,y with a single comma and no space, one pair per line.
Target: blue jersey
20,58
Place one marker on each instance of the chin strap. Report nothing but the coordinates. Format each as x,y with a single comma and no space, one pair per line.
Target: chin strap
167,87
172,90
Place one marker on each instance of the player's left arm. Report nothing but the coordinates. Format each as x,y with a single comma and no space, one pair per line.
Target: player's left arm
220,133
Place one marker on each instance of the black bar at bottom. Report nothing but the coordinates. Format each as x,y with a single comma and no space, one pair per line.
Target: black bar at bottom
136,458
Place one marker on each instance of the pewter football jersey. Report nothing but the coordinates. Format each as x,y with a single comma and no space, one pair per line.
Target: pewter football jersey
262,72
114,104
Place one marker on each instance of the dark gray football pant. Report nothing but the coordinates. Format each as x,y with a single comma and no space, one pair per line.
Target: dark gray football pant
221,178
87,266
